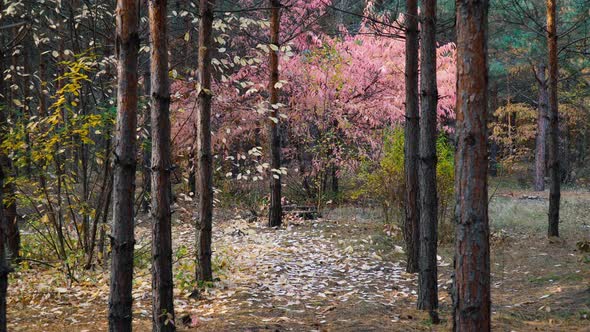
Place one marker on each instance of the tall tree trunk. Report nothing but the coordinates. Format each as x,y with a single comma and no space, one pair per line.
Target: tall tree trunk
411,142
4,266
555,181
205,160
162,280
541,141
471,300
27,81
84,155
12,232
428,287
122,241
146,146
275,212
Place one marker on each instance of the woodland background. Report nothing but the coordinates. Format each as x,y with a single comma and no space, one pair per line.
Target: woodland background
335,118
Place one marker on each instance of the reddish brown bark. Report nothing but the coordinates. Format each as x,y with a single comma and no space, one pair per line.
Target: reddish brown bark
471,302
555,180
427,279
412,136
122,240
146,145
205,160
275,215
161,166
541,140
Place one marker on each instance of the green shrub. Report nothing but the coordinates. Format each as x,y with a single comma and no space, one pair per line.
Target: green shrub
383,182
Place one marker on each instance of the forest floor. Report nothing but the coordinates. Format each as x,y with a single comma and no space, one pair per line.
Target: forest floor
344,272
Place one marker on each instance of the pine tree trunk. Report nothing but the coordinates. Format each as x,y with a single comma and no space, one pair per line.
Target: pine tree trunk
161,214
12,232
4,266
555,181
427,279
122,241
27,48
205,159
411,142
471,300
541,141
146,148
275,211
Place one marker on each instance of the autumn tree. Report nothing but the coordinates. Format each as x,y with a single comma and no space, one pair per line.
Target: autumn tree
471,301
411,143
205,158
161,166
555,180
428,282
275,212
123,241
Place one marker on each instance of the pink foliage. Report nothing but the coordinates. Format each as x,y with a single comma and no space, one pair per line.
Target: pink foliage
351,86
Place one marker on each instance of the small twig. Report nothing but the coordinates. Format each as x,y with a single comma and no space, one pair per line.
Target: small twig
37,261
493,193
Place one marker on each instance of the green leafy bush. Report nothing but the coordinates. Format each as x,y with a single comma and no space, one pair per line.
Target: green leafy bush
383,182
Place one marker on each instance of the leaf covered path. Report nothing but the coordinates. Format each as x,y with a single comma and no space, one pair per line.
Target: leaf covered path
307,277
322,275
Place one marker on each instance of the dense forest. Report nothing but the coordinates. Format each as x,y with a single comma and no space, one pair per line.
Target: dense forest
294,165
